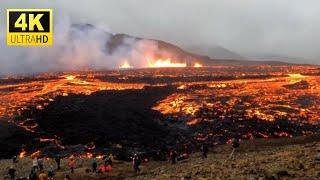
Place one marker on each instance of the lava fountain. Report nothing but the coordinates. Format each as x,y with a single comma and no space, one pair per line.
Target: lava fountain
161,63
125,65
197,65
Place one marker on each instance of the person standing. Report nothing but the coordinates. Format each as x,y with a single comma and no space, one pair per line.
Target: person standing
94,165
235,145
111,159
58,161
136,161
40,163
173,156
35,163
72,164
51,172
204,150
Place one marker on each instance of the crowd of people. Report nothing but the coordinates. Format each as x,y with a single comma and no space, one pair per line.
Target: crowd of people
37,171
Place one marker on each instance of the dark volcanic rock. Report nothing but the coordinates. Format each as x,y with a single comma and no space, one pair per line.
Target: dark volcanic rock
298,85
11,139
125,117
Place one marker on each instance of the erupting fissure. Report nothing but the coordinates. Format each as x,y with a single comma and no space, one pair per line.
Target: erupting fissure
161,63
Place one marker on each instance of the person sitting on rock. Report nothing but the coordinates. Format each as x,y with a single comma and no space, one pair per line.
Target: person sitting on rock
183,156
12,172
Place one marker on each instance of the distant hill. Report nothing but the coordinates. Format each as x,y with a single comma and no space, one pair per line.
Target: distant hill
215,52
276,57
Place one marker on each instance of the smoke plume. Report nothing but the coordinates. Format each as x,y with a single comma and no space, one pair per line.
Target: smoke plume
76,47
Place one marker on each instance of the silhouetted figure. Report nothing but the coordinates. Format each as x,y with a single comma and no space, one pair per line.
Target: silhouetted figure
12,172
235,144
136,161
50,172
58,161
204,150
72,164
33,175
35,164
173,156
108,160
111,158
40,164
94,165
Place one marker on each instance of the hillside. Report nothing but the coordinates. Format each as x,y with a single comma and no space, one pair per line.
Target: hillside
256,159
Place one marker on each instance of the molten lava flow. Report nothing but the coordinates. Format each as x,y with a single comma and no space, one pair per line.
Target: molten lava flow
296,76
70,77
160,63
125,65
197,65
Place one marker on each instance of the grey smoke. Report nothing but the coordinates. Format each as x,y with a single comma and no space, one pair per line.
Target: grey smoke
248,27
75,47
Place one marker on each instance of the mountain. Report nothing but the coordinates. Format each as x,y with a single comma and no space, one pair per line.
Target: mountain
207,56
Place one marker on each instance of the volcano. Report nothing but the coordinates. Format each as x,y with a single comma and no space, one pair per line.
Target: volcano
117,41
180,100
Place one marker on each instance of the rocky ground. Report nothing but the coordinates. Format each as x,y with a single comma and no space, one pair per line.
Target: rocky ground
256,159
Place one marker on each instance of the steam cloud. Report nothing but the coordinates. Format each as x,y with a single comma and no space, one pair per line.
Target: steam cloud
76,47
252,28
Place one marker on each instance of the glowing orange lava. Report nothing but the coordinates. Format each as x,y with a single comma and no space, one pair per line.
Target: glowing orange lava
197,65
161,63
296,76
125,65
70,77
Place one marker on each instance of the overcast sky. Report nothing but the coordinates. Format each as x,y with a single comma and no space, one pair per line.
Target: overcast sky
248,27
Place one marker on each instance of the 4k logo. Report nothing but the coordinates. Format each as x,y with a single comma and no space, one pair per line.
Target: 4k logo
29,27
